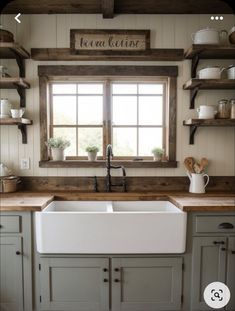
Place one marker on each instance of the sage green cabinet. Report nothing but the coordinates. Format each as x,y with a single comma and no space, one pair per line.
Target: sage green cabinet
74,284
11,274
146,284
212,260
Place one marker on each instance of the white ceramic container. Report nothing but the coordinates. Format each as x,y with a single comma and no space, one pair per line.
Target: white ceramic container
4,171
206,112
210,72
5,108
92,156
231,72
57,154
120,227
207,36
197,182
17,113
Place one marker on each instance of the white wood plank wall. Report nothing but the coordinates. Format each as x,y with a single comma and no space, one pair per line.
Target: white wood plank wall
167,31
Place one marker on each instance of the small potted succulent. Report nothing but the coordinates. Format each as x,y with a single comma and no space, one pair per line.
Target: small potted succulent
157,154
57,146
92,152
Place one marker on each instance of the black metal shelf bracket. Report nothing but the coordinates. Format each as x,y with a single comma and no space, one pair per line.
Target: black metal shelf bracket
23,129
22,94
192,131
21,63
194,64
193,95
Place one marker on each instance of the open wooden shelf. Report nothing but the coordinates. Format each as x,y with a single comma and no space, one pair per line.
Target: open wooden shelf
67,54
21,123
210,51
195,123
194,85
13,83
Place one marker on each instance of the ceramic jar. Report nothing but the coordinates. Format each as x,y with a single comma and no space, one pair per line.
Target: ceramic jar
5,108
206,112
231,72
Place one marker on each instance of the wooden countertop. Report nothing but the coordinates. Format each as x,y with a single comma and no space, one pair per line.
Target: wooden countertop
37,201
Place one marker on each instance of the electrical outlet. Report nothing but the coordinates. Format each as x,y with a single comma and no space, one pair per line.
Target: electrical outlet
24,164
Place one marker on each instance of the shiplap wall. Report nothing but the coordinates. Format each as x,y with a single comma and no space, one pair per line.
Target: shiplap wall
167,31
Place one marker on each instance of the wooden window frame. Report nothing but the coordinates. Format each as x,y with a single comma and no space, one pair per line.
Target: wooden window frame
67,73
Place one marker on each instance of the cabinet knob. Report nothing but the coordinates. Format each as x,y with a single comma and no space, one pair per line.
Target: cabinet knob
226,225
18,252
219,242
223,249
106,280
233,252
105,269
1,226
116,280
116,269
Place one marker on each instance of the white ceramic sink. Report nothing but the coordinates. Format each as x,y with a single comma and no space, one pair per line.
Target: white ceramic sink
119,227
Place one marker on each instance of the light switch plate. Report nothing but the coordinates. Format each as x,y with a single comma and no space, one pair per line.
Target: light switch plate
24,164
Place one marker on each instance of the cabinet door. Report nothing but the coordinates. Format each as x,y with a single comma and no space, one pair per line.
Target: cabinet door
208,265
11,274
231,273
74,284
146,284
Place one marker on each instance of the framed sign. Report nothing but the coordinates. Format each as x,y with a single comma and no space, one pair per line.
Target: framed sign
109,40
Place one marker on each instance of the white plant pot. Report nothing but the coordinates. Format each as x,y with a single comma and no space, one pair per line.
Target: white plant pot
157,157
57,154
92,156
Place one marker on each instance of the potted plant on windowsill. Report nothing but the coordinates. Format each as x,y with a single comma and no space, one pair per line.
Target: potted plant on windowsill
157,154
92,153
57,146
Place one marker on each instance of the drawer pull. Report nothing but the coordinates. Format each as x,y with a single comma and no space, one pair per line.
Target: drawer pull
116,269
233,252
106,280
226,225
223,249
116,280
1,226
219,242
105,269
18,252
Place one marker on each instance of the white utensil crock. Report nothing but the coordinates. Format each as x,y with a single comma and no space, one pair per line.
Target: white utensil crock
197,182
210,73
207,36
4,171
5,108
206,112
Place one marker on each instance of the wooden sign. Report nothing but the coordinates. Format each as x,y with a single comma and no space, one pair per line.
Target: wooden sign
109,40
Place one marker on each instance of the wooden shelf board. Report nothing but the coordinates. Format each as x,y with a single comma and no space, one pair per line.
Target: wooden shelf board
7,50
15,121
102,163
209,84
211,51
13,83
67,54
209,122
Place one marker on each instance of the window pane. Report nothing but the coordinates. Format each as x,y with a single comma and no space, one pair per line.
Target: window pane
149,138
150,88
150,110
70,134
90,110
64,88
64,110
90,88
126,88
124,141
89,136
124,110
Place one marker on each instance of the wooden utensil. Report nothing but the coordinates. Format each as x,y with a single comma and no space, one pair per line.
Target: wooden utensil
203,164
197,168
189,164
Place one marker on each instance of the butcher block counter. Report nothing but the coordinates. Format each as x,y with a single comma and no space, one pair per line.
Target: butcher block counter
37,201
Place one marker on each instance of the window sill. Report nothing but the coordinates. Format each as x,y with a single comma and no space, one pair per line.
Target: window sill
102,164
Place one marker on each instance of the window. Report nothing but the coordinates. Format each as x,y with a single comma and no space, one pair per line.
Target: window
133,112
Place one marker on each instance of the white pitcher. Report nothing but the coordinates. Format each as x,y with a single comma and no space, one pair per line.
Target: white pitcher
197,182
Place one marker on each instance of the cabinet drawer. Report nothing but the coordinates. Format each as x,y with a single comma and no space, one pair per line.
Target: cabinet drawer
10,224
217,223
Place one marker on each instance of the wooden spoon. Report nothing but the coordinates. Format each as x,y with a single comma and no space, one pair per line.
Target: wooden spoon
189,164
204,163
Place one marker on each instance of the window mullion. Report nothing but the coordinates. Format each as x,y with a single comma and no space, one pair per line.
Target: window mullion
137,136
77,119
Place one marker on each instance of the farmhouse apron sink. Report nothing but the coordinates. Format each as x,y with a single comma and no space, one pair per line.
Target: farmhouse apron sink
95,227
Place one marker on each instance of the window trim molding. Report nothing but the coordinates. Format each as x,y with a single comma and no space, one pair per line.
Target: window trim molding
47,73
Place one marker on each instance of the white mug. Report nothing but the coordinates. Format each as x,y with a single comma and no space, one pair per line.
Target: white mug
17,113
5,108
206,112
197,182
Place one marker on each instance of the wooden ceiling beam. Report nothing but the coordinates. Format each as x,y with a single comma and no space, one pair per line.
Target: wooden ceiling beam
107,8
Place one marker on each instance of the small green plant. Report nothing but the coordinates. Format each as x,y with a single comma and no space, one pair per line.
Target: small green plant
58,142
158,151
92,149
